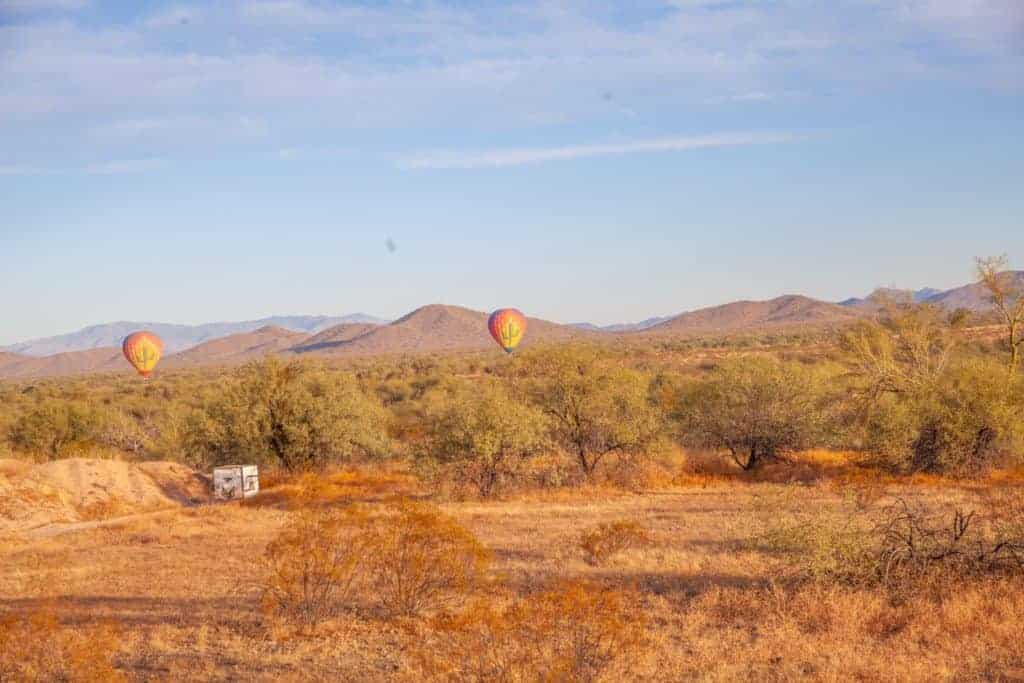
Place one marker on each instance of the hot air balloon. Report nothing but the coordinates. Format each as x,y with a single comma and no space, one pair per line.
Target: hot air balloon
143,351
507,326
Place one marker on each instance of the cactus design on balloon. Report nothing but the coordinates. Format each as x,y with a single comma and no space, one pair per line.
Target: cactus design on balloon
507,326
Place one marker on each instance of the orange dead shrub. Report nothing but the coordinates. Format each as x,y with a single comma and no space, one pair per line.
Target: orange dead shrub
574,632
326,489
863,487
1012,476
412,556
604,541
36,647
314,565
424,560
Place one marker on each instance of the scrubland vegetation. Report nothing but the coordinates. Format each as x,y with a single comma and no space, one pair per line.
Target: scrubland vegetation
837,507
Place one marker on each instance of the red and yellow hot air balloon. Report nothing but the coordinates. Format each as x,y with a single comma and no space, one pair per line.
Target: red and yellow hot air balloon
143,350
507,326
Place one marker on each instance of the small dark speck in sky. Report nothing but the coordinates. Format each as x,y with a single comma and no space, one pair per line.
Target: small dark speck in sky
392,247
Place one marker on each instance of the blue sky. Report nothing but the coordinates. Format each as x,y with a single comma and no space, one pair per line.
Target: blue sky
582,160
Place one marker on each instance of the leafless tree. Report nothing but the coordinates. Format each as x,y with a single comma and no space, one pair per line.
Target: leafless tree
1007,296
906,350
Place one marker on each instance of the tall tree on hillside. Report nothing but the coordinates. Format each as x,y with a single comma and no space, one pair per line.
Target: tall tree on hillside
1007,296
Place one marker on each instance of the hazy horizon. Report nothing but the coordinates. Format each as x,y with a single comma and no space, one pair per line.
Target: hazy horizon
187,163
391,318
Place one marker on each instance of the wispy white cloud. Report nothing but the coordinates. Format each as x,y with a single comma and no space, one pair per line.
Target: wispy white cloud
154,128
319,69
125,166
111,167
755,97
150,127
22,171
518,157
966,19
297,12
29,6
292,153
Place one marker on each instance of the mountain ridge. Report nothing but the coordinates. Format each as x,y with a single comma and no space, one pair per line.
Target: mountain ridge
622,327
176,337
788,310
238,348
428,329
972,296
441,328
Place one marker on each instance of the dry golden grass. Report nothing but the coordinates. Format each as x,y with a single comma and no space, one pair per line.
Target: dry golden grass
294,491
36,647
575,631
183,590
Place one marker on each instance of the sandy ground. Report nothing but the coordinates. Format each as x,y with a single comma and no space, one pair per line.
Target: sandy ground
183,587
82,490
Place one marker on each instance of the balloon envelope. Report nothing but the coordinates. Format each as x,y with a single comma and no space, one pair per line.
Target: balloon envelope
507,326
143,350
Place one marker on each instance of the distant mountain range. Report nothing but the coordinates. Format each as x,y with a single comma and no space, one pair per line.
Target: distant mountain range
427,329
789,311
917,296
176,337
435,328
972,297
621,327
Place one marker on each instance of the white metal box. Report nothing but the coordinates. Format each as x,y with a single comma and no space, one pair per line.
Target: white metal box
234,482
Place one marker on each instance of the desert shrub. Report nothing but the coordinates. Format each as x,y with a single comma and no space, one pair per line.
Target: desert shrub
315,564
35,647
973,421
965,422
604,541
572,632
916,542
484,437
822,548
129,431
291,414
905,546
393,391
423,560
596,407
53,428
755,408
906,350
168,435
921,407
550,470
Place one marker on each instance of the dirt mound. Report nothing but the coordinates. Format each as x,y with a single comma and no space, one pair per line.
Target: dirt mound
80,489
